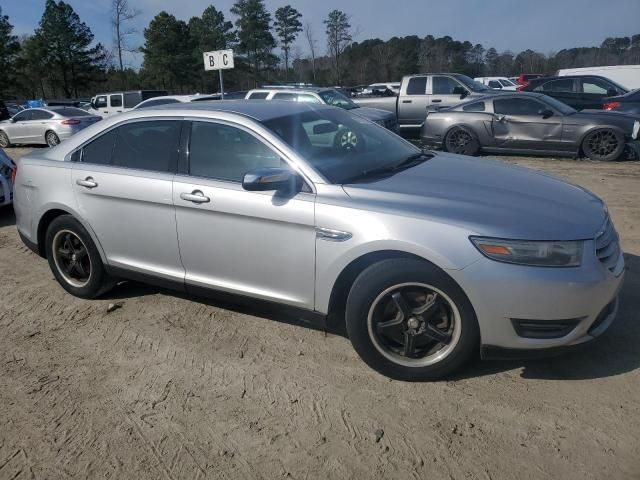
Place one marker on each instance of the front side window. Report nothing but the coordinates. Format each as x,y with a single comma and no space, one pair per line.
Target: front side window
99,151
23,116
258,95
597,86
308,99
506,83
516,106
444,85
287,97
224,152
494,84
101,102
417,86
115,100
337,99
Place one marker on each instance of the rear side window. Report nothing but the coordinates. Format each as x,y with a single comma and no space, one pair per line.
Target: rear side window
258,95
99,150
417,86
115,100
474,107
147,145
289,97
132,99
564,85
517,106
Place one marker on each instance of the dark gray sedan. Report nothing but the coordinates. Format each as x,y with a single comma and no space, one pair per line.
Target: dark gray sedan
531,123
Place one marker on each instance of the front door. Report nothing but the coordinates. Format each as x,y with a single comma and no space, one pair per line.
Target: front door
260,244
123,184
20,130
442,95
519,123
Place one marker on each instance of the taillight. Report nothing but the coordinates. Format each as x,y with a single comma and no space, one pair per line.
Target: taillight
611,105
14,172
71,121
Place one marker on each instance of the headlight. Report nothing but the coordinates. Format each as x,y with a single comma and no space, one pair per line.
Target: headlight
538,254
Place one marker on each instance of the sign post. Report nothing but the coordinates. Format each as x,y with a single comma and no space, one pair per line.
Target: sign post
219,60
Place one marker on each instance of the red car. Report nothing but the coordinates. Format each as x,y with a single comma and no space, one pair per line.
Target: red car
524,78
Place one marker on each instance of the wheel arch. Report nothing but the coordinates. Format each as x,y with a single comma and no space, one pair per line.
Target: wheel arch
346,278
43,225
594,128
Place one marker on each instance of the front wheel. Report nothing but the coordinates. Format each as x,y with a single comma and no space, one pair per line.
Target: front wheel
461,141
4,140
604,145
410,321
74,259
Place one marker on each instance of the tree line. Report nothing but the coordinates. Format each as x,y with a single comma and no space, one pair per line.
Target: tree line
61,59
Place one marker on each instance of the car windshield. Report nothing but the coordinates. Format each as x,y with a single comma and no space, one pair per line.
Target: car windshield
558,105
340,145
336,99
470,83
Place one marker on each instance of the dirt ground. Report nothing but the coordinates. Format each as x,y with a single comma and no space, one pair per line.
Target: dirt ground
174,387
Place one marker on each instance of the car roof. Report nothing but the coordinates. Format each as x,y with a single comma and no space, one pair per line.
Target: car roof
292,89
491,96
261,111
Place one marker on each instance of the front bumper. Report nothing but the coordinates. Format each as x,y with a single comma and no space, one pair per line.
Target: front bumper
504,294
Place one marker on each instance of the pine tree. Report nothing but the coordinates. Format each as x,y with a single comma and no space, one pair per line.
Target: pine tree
287,26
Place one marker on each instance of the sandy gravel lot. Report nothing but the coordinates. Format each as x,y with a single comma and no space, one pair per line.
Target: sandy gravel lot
174,387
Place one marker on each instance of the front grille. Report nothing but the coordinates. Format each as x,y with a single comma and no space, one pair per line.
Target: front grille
607,245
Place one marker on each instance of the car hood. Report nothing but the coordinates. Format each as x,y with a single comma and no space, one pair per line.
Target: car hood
487,197
622,119
372,114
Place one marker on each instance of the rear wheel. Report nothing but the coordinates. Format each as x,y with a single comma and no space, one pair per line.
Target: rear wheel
410,321
4,140
74,259
461,141
51,138
604,145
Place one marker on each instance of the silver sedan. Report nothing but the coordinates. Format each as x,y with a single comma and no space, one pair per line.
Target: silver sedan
44,126
426,257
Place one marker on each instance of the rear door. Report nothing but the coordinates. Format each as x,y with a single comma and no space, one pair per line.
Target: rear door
412,108
123,183
40,123
518,123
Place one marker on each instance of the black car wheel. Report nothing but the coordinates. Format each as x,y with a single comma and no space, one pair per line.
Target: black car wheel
410,321
52,139
461,141
604,145
74,259
4,140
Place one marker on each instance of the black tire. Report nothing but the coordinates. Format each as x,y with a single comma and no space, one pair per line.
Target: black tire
462,141
66,233
51,138
4,140
363,301
603,144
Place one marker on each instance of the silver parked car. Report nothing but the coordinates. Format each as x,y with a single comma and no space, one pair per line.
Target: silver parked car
44,126
6,186
428,257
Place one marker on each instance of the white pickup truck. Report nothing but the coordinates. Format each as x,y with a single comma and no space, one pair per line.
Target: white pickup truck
426,92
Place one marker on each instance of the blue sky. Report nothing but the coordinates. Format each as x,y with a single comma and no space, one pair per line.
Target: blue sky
543,25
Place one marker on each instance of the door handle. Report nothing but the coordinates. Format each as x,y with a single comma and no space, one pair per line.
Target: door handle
196,197
436,100
87,182
406,101
500,118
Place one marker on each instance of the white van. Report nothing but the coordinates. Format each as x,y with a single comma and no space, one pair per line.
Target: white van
105,104
626,75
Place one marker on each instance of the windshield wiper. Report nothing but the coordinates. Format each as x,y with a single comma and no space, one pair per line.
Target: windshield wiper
410,161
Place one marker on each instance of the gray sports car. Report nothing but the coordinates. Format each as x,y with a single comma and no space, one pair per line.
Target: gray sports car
531,123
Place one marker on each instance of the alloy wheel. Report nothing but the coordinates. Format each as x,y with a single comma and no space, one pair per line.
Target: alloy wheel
602,143
414,324
71,258
52,139
4,140
459,141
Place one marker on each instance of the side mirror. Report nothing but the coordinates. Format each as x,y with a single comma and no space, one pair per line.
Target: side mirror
612,92
267,179
460,91
546,113
323,128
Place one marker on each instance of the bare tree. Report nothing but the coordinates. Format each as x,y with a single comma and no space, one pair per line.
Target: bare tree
338,30
121,15
308,32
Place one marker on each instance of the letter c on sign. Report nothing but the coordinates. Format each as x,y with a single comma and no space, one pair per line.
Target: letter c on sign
224,59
